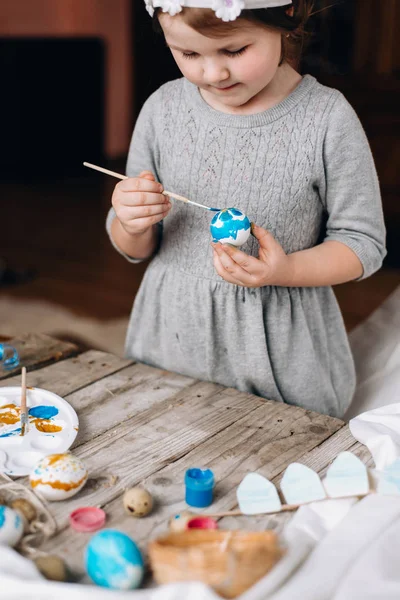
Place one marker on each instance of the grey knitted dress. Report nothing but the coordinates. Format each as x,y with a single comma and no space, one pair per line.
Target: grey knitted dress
304,171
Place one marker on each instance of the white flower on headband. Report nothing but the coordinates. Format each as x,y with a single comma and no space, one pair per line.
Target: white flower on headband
149,7
173,7
228,10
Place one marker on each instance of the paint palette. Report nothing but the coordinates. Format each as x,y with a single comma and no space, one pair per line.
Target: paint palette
53,426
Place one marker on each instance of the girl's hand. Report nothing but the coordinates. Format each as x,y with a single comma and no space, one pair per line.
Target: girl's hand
272,267
139,204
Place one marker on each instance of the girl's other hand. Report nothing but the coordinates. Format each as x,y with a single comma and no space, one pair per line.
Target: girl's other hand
272,267
139,203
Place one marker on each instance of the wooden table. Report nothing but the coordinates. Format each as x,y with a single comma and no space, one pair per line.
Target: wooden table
140,425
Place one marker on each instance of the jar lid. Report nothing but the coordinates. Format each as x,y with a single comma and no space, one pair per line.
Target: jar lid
202,523
87,519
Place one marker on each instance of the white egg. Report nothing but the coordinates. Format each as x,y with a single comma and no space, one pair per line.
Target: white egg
11,526
58,476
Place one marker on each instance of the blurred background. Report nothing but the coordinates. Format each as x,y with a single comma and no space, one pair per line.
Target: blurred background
74,75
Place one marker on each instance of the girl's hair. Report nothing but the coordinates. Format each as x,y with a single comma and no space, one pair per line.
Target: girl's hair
290,20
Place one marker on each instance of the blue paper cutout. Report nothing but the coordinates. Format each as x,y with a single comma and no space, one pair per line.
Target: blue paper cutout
300,485
257,495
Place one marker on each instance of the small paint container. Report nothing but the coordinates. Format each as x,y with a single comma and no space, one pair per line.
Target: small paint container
87,519
199,485
202,523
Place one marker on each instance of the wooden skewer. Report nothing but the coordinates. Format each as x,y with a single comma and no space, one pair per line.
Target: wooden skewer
283,508
24,411
165,193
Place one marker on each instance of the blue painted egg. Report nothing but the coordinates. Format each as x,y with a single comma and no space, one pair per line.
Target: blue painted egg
11,526
230,226
113,560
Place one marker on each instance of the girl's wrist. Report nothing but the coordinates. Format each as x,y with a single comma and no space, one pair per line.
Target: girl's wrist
138,245
283,274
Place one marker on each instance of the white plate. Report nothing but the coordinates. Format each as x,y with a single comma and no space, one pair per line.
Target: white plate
23,452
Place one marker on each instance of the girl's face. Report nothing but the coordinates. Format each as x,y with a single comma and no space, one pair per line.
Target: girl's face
233,70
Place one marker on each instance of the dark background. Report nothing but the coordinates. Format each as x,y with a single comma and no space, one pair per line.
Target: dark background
54,107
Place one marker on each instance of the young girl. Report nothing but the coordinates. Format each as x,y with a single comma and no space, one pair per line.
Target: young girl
243,129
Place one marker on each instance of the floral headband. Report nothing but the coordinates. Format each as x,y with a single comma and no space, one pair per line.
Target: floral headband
227,10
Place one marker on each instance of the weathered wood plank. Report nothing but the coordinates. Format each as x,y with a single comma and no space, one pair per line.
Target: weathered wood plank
117,398
38,350
72,374
234,451
155,438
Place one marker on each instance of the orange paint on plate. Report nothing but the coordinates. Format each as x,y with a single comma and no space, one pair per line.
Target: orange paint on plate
11,416
46,427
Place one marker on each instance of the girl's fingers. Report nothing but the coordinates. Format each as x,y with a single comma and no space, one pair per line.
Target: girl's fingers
240,258
139,184
222,272
147,175
233,268
145,223
143,199
141,212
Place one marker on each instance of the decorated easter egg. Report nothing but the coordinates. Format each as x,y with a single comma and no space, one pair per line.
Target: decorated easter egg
113,560
58,476
11,526
180,522
137,502
230,226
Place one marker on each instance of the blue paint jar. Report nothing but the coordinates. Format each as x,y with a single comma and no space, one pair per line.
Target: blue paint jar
9,358
199,487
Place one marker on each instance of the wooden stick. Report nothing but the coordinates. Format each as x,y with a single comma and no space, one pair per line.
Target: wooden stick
24,411
165,193
283,508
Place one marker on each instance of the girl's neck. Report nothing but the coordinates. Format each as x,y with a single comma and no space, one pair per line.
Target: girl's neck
282,85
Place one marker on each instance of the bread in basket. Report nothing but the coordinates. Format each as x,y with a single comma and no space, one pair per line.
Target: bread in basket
229,561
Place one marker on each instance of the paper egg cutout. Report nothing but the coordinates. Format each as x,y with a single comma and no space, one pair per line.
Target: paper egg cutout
137,502
113,560
300,485
257,495
58,476
347,476
11,526
230,226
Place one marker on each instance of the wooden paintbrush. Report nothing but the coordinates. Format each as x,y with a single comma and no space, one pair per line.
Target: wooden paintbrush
165,193
24,409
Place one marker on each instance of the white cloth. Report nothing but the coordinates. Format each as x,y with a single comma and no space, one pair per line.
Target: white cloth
375,344
309,526
379,430
359,559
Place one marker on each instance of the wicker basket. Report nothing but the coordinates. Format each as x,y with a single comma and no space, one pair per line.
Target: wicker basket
229,561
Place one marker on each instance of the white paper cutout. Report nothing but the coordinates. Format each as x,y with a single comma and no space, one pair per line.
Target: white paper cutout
257,495
301,485
389,479
347,476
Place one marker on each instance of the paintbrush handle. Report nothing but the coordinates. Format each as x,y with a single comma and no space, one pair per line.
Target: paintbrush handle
165,193
24,412
283,508
23,390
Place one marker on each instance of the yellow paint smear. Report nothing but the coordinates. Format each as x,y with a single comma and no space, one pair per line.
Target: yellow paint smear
55,458
59,485
12,416
46,427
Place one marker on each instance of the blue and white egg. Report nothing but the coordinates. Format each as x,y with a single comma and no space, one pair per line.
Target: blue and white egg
230,226
113,560
11,526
